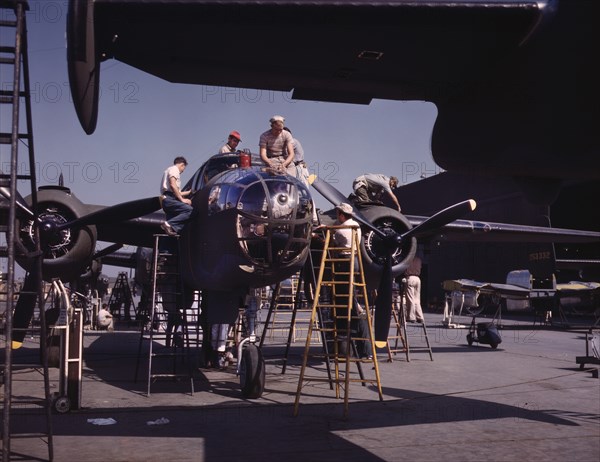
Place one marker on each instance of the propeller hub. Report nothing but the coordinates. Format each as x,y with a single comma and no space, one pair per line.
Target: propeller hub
53,240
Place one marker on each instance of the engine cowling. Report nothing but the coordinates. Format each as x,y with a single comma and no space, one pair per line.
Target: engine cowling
66,251
373,250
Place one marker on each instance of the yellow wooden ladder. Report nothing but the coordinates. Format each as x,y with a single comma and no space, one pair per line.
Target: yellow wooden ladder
340,270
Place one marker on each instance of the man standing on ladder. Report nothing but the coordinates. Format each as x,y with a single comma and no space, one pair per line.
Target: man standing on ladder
343,238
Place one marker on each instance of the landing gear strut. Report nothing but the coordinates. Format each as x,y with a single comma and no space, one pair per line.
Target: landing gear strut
251,364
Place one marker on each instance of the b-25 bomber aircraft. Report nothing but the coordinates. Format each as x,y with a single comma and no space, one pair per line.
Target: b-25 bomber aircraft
252,228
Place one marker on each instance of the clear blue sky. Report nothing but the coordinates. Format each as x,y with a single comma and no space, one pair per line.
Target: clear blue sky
144,122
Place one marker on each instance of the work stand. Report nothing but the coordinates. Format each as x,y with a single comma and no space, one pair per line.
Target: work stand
166,330
338,320
400,324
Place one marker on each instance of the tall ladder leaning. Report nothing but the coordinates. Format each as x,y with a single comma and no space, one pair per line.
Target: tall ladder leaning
340,331
167,329
15,55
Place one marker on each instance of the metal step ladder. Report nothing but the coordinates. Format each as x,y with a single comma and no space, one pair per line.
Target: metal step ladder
341,319
285,303
120,301
167,330
400,307
14,61
399,322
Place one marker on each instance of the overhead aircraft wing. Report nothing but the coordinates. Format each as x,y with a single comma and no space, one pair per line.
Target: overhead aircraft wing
321,50
514,81
344,45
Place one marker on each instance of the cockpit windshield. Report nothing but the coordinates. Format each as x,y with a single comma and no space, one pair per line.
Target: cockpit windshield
218,164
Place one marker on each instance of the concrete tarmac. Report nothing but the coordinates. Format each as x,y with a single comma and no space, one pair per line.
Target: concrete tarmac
525,400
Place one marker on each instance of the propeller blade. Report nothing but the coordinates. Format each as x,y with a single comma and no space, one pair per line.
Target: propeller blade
336,198
18,199
116,213
383,305
443,217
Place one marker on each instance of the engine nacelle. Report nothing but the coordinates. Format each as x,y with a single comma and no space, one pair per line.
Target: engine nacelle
373,249
66,251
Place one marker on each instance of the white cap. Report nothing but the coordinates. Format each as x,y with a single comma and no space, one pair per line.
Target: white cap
345,208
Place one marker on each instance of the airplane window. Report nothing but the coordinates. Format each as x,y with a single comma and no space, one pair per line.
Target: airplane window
235,176
214,204
192,184
253,201
305,204
253,238
222,198
234,194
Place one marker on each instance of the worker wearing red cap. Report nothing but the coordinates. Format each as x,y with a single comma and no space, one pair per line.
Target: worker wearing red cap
232,141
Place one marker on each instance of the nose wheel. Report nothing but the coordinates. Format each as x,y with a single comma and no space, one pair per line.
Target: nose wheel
252,372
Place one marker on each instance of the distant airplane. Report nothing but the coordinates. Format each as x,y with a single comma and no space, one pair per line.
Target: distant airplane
514,81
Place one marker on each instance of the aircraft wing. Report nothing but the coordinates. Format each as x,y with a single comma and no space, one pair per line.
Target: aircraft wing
514,81
137,231
321,50
491,288
325,50
121,258
480,231
485,231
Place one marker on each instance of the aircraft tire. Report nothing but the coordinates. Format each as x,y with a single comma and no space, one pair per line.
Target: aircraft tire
252,372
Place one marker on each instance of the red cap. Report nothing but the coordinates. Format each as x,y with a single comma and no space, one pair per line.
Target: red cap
235,135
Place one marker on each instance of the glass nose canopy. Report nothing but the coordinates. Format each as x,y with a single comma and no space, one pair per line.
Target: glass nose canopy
274,215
